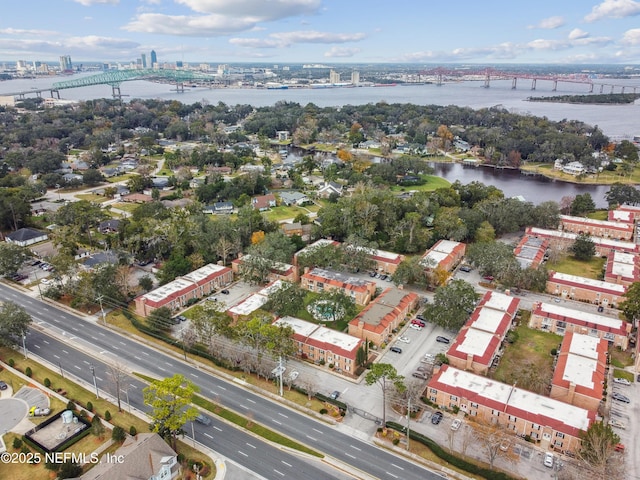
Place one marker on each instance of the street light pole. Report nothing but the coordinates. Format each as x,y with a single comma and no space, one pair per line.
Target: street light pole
24,346
95,383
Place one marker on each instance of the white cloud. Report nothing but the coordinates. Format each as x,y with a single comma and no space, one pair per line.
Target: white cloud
202,26
25,32
286,39
613,9
88,3
544,44
577,33
341,52
549,23
265,11
631,37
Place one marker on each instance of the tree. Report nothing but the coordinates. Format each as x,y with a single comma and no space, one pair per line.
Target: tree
118,434
452,304
146,283
620,194
14,323
410,271
385,376
92,177
583,248
12,257
582,204
288,299
631,305
96,426
170,402
489,437
160,319
627,150
598,451
335,305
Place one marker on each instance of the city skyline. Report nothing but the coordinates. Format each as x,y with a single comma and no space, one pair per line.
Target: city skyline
323,31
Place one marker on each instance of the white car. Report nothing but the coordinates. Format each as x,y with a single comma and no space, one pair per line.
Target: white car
621,381
404,339
548,460
617,424
415,327
455,425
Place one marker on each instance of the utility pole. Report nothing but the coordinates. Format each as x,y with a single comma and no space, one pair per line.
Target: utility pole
280,374
95,383
408,419
24,346
104,319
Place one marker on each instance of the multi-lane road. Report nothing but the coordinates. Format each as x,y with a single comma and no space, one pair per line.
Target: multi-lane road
76,345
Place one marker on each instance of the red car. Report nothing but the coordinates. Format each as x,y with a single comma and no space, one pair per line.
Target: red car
420,323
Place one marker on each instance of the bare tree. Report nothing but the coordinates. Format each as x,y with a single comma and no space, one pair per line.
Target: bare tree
309,385
466,439
117,378
598,451
489,437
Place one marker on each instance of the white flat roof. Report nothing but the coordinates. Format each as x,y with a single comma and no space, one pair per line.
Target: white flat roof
584,345
433,258
622,215
573,236
499,301
167,290
446,246
579,370
301,327
591,221
320,333
269,289
590,282
475,342
623,257
624,270
521,399
249,304
488,320
588,317
203,272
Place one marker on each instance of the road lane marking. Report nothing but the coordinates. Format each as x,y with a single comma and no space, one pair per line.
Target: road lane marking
243,406
207,435
394,476
349,455
278,472
282,415
316,430
217,428
311,438
99,379
94,338
221,387
64,351
75,329
252,446
249,400
355,448
275,421
136,357
397,466
100,333
56,356
76,366
193,375
287,464
167,363
242,453
162,369
85,362
37,346
145,353
122,343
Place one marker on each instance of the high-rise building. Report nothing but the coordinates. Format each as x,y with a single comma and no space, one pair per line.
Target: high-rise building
179,64
355,77
154,59
334,77
143,60
65,63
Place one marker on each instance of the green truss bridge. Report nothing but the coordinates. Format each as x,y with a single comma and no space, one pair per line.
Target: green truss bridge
115,79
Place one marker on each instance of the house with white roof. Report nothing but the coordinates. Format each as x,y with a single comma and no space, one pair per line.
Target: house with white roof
551,317
553,423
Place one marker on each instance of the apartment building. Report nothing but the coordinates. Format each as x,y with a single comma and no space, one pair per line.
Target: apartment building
319,280
562,240
479,342
585,289
277,271
552,423
622,268
320,344
176,294
530,251
376,322
579,374
597,228
555,318
444,255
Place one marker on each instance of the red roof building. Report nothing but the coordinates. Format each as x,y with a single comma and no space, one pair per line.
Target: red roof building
597,228
318,280
579,375
622,268
562,240
377,320
585,289
444,255
530,251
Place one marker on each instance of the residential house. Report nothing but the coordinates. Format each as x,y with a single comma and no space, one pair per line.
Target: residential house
297,228
282,135
571,168
554,318
264,202
480,341
179,292
93,260
597,228
147,456
26,236
323,345
109,226
219,208
553,423
580,371
319,280
376,322
444,255
329,188
384,262
72,177
585,289
293,198
622,268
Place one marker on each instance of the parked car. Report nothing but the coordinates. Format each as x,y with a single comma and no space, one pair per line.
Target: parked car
404,339
182,318
436,418
488,278
415,326
203,419
39,412
421,318
395,349
418,322
372,274
225,291
505,444
3,385
617,424
620,398
334,395
383,277
424,368
442,339
421,375
293,375
465,268
548,460
621,381
455,425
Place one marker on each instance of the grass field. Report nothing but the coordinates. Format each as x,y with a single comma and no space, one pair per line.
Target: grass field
571,266
528,360
92,197
278,214
605,177
433,183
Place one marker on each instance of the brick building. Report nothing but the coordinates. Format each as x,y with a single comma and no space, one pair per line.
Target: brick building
563,241
375,323
585,289
278,270
597,228
530,251
579,374
176,294
444,255
622,268
480,340
319,280
318,344
553,423
557,319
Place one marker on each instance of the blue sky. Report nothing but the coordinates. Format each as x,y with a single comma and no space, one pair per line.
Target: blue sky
324,31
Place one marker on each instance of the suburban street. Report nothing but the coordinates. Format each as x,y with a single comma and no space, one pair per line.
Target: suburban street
87,343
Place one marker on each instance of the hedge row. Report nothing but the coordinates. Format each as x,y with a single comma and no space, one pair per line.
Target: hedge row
449,457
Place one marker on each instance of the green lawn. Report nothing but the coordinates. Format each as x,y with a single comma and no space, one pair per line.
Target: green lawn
121,178
599,215
92,197
571,266
127,207
278,214
433,183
